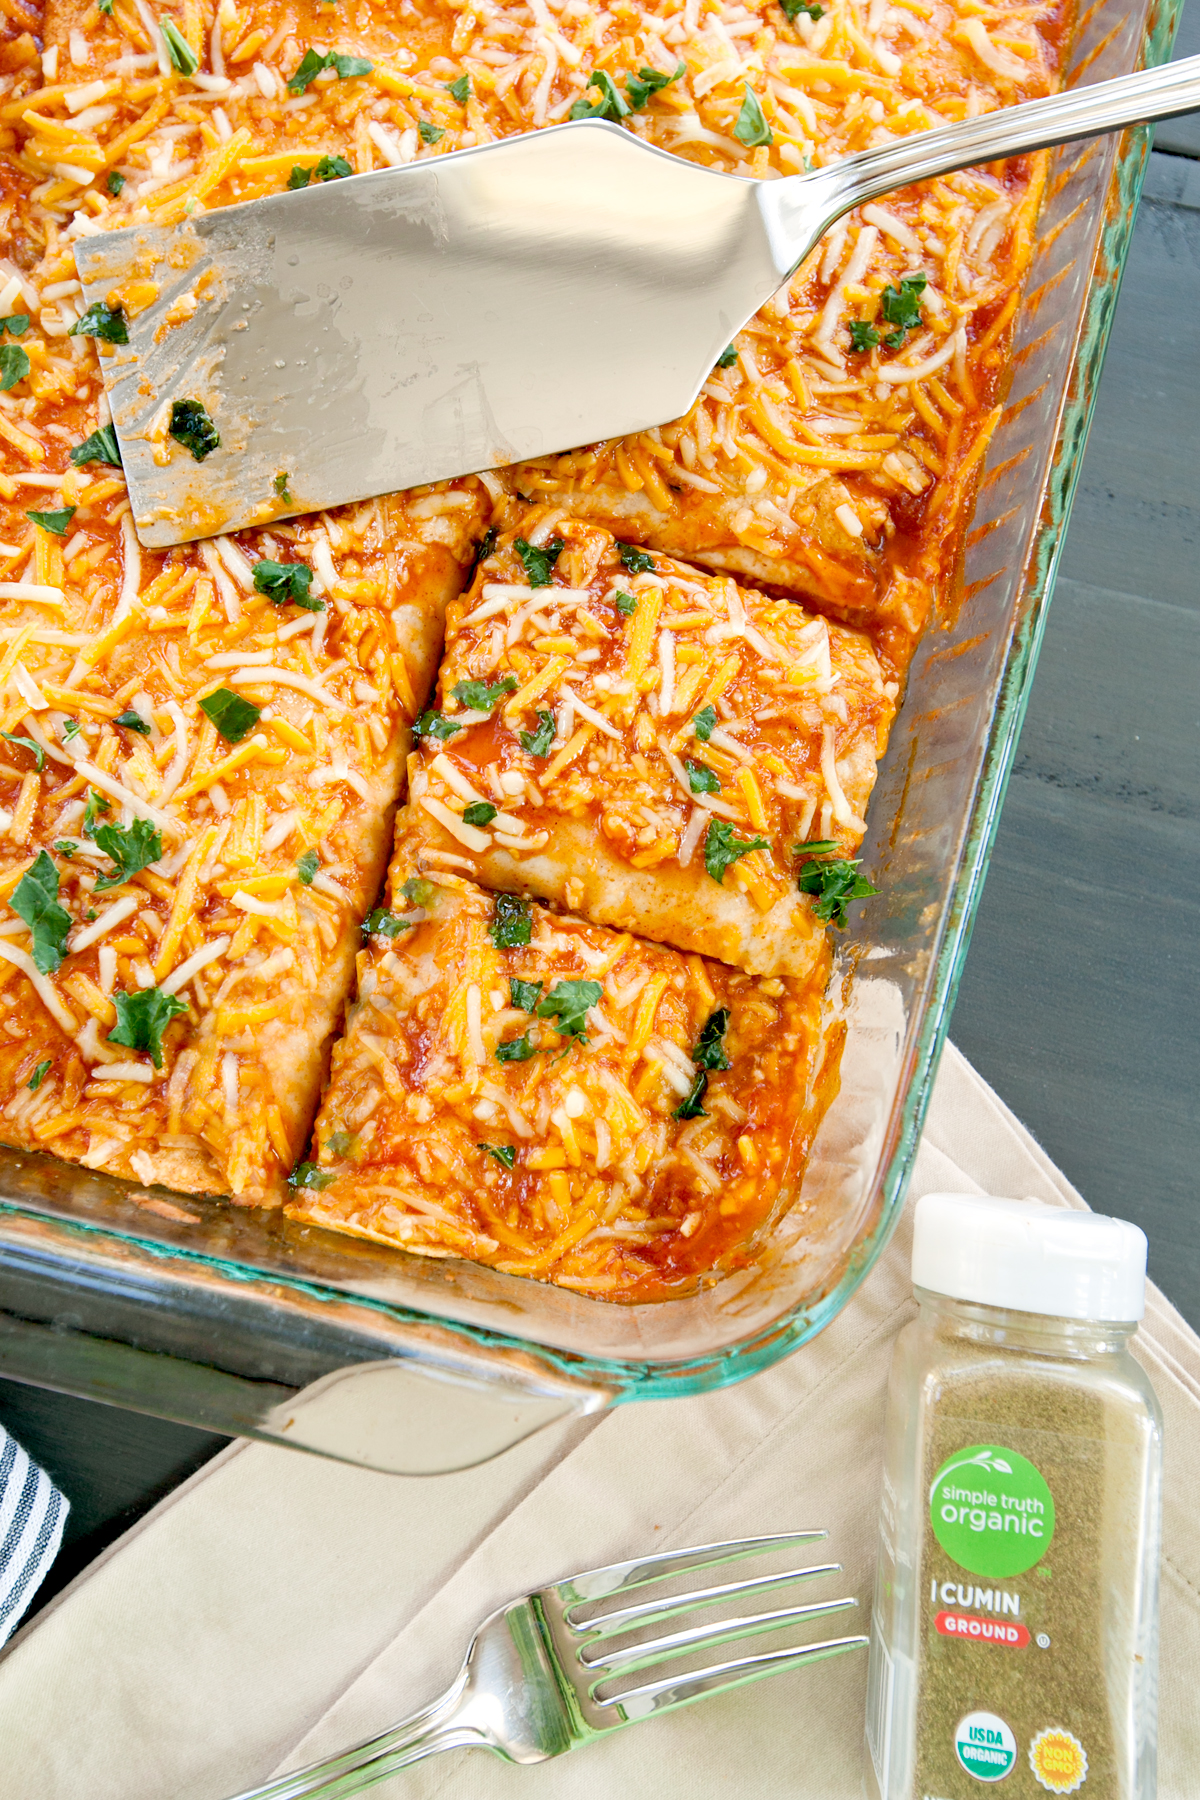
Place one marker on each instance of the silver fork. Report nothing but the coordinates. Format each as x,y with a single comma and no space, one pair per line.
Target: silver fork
539,1678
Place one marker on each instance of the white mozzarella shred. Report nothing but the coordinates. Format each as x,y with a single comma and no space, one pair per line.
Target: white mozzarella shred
46,992
207,953
115,914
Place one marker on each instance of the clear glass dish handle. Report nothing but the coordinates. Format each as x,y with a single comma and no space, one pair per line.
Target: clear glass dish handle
1084,112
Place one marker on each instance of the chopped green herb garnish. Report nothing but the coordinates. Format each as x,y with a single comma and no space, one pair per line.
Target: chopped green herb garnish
102,447
430,134
480,812
39,1075
308,1175
460,89
70,729
793,8
518,1049
639,87
116,181
312,64
417,891
704,723
285,583
382,923
538,562
434,725
130,851
14,366
332,168
182,56
512,922
36,901
568,1002
709,1053
727,357
537,743
102,321
56,521
339,1142
480,696
65,847
133,721
710,1045
191,426
863,336
233,717
721,847
503,1153
833,881
635,560
691,1108
280,484
27,743
701,779
16,324
626,604
299,177
142,1018
484,547
96,804
901,307
307,866
524,994
608,104
751,127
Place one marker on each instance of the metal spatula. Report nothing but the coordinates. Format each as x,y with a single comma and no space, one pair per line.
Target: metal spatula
467,311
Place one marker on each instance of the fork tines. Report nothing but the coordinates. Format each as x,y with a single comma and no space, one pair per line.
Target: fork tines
584,1631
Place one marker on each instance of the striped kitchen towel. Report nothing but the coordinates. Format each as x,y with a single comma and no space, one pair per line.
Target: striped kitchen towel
32,1516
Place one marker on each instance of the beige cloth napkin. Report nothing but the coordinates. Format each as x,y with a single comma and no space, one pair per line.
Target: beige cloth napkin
277,1608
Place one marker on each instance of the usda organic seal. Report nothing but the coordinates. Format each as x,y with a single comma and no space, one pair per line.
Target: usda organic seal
985,1746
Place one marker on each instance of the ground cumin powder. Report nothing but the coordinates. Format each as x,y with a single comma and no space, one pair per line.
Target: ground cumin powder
1013,1637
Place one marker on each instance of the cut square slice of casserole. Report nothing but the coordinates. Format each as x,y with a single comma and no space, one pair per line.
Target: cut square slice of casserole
647,744
558,1100
202,751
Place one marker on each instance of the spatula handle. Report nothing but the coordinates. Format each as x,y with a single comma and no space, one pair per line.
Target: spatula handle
1157,93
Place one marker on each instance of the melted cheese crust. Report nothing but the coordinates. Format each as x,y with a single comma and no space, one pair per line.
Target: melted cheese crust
675,710
609,1191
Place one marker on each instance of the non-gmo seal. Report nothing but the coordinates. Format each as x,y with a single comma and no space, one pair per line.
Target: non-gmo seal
985,1746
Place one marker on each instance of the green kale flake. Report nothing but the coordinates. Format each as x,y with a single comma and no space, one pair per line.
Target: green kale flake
568,1003
512,921
701,779
721,847
646,82
308,1175
233,716
56,521
130,851
101,447
481,696
524,994
102,321
750,127
635,560
133,721
307,866
538,561
285,583
36,901
625,603
27,743
14,366
182,56
833,881
39,1075
503,1153
434,725
191,426
538,743
608,104
704,723
480,812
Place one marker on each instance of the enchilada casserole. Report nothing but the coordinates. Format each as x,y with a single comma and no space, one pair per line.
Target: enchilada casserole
671,666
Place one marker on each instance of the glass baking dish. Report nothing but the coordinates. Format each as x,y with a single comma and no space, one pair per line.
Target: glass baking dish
247,1323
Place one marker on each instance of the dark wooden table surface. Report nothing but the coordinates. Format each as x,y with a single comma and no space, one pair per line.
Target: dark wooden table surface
1081,997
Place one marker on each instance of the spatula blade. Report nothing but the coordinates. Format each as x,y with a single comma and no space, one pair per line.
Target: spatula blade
413,324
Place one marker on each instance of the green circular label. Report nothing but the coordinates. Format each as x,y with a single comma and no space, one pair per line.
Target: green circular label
985,1746
991,1511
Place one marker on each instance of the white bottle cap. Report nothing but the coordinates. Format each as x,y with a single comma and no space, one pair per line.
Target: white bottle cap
1029,1257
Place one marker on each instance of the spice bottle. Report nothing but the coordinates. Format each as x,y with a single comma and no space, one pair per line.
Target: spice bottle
1014,1635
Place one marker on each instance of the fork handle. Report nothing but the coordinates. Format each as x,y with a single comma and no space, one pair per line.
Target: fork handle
441,1726
1084,112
